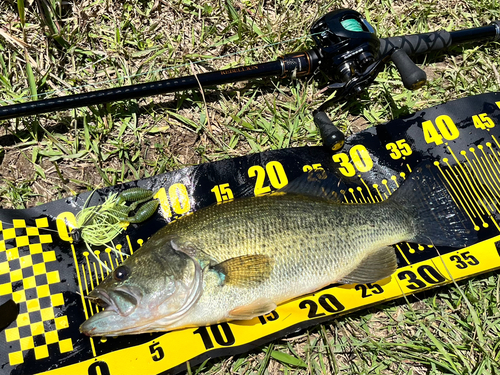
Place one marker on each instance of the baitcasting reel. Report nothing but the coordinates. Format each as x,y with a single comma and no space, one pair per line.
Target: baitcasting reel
349,55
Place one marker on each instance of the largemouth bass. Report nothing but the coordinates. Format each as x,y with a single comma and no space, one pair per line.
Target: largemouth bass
238,260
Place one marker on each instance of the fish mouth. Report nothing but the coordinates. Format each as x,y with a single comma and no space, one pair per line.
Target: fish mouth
121,300
101,298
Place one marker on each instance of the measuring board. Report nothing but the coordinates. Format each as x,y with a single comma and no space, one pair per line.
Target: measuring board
48,276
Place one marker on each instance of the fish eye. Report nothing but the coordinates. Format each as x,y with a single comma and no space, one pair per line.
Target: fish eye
121,273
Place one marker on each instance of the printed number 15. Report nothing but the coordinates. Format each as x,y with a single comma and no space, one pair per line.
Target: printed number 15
222,192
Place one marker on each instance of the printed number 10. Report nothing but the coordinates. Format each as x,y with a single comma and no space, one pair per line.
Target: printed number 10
177,197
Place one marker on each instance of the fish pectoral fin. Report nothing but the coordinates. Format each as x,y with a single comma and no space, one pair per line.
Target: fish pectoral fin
246,270
258,307
377,266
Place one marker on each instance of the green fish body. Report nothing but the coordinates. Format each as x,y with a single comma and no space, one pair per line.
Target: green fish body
241,259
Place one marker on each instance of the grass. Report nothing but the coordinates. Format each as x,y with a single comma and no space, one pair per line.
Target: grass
50,48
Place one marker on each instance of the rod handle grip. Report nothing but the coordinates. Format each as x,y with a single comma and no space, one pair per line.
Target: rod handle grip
418,43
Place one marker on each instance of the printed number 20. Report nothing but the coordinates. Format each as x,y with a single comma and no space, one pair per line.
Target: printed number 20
275,172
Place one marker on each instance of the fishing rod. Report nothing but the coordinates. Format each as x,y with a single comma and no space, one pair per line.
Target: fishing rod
347,51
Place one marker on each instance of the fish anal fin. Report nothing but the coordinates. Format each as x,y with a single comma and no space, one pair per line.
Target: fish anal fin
258,307
246,270
378,265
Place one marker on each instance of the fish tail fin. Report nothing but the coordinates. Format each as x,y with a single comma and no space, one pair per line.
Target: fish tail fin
438,219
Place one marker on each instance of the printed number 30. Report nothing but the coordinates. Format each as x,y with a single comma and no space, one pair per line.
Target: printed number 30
360,158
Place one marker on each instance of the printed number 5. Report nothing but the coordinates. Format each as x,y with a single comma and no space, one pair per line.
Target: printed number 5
156,351
399,149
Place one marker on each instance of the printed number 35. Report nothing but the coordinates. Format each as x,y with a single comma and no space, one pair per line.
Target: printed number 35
399,149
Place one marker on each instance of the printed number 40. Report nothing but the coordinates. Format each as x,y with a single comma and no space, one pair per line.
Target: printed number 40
443,127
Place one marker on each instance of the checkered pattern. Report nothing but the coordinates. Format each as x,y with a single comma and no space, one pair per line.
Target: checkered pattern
24,277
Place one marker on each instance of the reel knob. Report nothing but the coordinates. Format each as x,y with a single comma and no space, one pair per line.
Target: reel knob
412,76
332,137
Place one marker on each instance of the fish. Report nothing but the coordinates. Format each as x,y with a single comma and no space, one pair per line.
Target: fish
241,259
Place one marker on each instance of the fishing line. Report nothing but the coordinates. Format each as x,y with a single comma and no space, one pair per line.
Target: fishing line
475,318
111,81
11,225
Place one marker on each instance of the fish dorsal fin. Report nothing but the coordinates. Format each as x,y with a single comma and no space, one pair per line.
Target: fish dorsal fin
316,183
377,266
246,270
259,307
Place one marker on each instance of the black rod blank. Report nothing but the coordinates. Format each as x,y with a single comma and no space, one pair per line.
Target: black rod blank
141,90
298,64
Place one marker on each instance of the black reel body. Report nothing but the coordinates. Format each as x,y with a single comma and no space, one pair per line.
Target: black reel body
347,44
350,56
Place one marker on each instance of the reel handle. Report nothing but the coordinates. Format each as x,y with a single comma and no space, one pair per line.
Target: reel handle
412,76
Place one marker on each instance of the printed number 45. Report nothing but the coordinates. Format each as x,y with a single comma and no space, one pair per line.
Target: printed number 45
482,121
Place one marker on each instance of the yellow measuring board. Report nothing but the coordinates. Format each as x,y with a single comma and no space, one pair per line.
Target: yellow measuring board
177,347
48,276
38,298
474,183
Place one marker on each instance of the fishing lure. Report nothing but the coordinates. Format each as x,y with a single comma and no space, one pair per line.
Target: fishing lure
99,225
